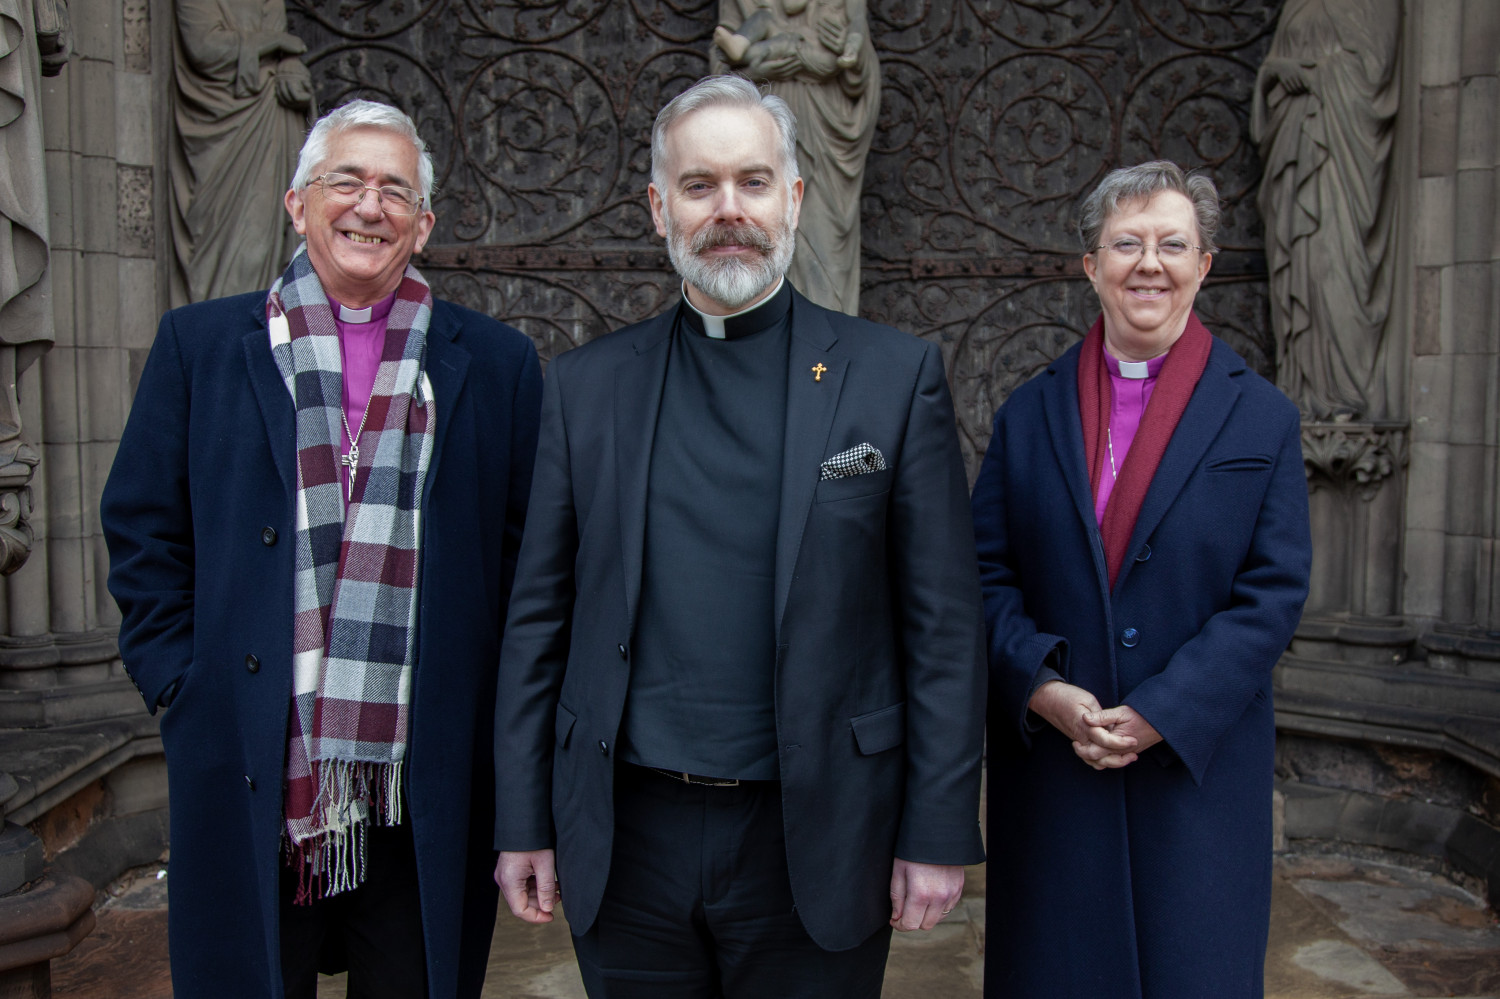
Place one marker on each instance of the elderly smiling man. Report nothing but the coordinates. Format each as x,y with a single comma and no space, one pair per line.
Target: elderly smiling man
741,693
313,520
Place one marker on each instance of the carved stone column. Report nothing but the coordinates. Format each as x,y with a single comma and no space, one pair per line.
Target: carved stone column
34,43
1355,477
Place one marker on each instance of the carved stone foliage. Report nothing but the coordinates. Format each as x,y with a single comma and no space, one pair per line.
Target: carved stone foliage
997,116
1355,457
134,193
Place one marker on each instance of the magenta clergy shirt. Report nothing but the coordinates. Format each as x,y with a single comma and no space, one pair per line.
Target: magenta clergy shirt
1131,384
361,342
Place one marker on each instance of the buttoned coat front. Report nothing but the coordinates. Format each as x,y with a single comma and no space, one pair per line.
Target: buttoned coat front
199,517
879,684
1152,881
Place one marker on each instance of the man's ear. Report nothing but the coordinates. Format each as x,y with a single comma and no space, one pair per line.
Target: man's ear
297,209
658,210
425,222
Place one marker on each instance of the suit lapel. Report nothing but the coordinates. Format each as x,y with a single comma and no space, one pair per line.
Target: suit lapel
447,365
812,398
638,387
1207,409
1060,403
276,406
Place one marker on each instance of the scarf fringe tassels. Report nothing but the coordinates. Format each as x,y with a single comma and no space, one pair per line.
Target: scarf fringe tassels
354,794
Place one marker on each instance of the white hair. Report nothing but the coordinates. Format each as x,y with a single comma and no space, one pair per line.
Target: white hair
362,114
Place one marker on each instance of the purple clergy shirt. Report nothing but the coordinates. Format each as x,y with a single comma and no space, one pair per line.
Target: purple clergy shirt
1131,384
361,342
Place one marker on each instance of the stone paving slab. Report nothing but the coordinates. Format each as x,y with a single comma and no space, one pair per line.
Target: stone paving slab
1340,929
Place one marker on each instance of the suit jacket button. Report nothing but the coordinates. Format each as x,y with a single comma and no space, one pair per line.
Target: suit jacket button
249,783
603,748
252,663
268,536
1129,637
1143,554
624,652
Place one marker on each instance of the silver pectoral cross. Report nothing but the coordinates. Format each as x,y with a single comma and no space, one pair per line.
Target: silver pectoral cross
351,462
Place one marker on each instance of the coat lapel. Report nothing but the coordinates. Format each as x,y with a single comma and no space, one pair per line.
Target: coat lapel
446,366
1060,404
1207,409
638,386
276,406
812,398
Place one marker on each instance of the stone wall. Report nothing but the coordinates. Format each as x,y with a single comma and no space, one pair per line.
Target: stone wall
1453,572
1389,702
69,717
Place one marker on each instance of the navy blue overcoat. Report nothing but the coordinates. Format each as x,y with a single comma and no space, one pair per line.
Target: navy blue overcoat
1152,881
198,514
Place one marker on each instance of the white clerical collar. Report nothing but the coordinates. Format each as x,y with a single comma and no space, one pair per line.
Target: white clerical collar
714,325
1135,369
349,315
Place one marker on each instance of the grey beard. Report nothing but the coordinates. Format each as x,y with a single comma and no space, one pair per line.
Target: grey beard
732,282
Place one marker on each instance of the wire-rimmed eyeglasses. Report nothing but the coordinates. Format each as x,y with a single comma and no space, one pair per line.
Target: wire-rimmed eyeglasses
347,190
1129,248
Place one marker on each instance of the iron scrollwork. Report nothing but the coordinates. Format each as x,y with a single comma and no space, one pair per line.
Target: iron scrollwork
997,116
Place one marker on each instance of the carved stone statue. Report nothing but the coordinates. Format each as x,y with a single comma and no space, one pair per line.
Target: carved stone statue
1323,112
33,44
243,100
817,56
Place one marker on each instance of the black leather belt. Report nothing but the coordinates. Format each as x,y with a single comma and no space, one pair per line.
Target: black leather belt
687,778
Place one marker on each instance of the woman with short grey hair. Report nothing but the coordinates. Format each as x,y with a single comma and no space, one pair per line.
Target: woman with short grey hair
1141,519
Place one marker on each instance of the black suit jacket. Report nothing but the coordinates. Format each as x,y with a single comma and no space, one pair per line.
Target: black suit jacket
880,687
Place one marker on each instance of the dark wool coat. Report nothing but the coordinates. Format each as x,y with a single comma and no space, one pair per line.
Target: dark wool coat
198,514
1153,880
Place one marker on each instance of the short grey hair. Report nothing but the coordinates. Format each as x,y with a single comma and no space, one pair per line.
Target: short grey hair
362,114
1141,182
723,91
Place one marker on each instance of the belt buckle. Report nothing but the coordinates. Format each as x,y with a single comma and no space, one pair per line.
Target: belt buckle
711,781
698,779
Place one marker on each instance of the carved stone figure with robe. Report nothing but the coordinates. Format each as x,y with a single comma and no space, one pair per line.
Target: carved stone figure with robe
818,57
33,44
243,100
1323,113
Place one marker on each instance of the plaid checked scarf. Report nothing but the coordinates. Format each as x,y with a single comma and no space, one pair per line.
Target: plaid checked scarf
355,576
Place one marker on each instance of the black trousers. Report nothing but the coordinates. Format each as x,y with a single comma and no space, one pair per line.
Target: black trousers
699,903
374,930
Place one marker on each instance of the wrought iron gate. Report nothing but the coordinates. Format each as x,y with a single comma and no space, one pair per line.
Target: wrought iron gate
997,117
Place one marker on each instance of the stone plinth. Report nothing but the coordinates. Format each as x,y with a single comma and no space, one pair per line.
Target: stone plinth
42,922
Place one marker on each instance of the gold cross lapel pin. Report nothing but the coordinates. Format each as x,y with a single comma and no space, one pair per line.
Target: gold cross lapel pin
817,370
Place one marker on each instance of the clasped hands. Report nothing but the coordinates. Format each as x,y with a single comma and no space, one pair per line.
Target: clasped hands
1104,738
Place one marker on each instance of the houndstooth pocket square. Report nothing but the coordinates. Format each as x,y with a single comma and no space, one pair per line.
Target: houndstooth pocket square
858,460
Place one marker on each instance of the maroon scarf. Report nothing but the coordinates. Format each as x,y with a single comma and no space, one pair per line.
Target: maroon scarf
1174,387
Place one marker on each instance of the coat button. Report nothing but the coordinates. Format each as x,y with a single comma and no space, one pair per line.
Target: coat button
252,663
268,536
603,748
624,652
1143,554
249,783
1129,637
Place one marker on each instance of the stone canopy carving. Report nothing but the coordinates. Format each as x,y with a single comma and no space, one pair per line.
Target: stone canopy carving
816,55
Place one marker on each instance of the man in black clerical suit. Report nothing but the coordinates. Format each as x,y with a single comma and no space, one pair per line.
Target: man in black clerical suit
741,691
